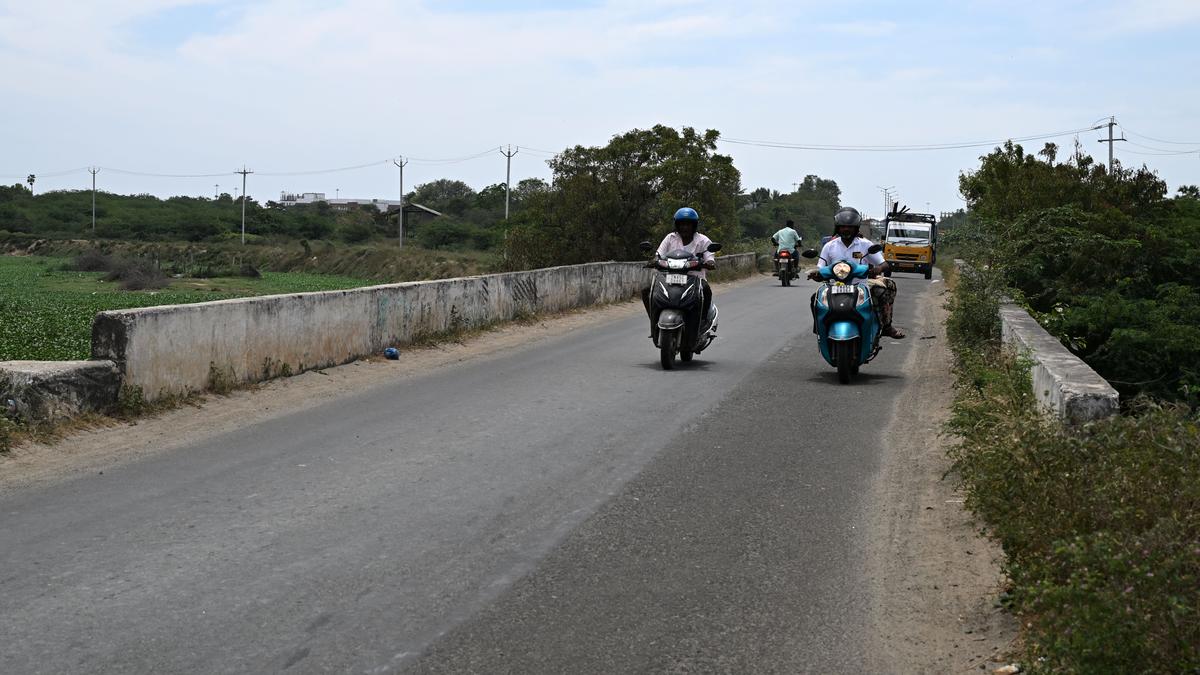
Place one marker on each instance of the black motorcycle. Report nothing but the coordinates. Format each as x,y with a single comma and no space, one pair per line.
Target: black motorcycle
676,300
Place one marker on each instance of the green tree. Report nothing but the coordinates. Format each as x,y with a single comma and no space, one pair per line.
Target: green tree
607,199
445,195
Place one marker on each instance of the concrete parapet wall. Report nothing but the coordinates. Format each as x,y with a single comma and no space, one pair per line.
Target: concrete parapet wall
1063,383
48,390
178,349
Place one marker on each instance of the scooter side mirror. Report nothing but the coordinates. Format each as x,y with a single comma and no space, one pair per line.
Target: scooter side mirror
874,249
714,247
646,246
810,253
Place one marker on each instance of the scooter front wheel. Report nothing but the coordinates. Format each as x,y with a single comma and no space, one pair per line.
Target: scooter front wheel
666,348
844,353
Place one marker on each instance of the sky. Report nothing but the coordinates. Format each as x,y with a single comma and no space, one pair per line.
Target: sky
289,88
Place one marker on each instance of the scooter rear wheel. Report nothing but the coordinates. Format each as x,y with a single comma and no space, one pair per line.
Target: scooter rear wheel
666,349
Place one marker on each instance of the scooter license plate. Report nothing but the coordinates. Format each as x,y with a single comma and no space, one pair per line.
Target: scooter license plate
841,289
677,279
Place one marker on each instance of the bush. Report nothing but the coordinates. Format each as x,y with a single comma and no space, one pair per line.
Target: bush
91,261
137,274
8,429
1100,525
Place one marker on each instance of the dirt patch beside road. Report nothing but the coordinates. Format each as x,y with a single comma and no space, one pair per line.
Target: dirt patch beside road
934,578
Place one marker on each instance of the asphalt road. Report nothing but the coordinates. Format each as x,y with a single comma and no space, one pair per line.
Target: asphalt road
562,507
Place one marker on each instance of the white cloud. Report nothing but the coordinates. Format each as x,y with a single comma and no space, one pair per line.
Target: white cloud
301,85
863,28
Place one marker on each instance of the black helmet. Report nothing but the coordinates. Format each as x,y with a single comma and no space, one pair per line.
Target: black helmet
847,216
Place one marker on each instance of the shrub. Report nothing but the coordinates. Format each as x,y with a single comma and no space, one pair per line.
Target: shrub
137,274
91,261
1100,525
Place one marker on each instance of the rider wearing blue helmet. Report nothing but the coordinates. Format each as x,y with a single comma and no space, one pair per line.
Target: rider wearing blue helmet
687,237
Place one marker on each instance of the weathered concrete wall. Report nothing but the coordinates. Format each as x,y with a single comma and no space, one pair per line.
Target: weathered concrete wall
46,390
1062,382
183,348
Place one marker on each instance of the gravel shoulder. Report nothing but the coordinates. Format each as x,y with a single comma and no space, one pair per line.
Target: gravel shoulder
934,577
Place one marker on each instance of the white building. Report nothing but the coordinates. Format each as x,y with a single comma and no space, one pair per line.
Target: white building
292,199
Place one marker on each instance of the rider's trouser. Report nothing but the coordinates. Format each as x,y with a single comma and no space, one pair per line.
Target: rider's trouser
883,293
883,296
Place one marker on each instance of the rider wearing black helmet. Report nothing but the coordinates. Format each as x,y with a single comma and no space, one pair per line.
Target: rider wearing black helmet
848,245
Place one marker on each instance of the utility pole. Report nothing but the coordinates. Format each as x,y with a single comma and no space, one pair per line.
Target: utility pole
94,171
244,171
887,197
1112,122
507,176
400,226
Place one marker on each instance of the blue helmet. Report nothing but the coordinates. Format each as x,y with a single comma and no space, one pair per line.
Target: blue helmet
687,214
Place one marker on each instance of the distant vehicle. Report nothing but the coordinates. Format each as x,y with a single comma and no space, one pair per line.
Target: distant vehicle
787,267
910,242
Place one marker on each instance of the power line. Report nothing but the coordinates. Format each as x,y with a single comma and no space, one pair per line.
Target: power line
46,174
529,149
167,175
454,160
897,148
1177,153
314,172
1158,140
1165,151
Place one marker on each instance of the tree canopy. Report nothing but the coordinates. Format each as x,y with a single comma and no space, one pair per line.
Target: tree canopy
605,200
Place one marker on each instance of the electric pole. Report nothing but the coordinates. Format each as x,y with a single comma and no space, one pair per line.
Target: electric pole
94,171
887,197
507,175
400,226
1112,122
244,171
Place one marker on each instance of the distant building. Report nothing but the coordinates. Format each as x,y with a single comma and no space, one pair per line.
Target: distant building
293,199
414,214
873,228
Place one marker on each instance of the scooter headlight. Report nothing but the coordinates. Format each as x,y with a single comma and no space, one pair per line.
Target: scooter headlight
842,270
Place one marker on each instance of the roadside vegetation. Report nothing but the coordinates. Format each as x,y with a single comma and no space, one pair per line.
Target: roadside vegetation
47,309
1100,524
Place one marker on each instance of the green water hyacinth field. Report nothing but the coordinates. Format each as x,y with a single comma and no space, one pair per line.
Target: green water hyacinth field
46,311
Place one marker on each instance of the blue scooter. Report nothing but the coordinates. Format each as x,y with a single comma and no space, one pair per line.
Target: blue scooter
844,317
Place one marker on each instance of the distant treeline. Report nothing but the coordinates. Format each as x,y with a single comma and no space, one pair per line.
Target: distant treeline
600,203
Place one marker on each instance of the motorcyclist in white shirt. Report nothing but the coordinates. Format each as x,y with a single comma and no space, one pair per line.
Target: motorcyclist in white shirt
848,245
687,237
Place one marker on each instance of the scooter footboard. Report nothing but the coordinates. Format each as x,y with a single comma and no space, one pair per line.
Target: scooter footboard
670,319
843,330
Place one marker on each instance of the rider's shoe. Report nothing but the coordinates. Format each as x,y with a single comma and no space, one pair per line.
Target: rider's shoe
894,333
